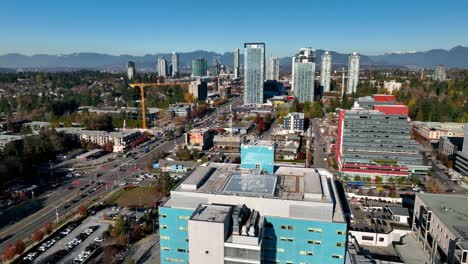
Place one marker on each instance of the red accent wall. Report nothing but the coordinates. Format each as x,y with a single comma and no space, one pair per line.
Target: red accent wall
384,98
339,136
393,109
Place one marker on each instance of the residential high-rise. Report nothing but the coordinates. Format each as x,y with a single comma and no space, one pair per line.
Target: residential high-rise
131,71
377,142
461,159
439,73
254,72
353,73
199,67
292,73
175,64
216,67
162,67
220,213
273,69
304,75
325,73
236,63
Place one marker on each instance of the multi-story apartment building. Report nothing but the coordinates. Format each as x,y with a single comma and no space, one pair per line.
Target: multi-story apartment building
120,140
198,138
199,89
439,73
304,75
440,227
325,73
461,159
353,73
377,142
222,214
254,72
293,123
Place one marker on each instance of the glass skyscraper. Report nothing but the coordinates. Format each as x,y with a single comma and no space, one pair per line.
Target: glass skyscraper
175,64
304,75
236,63
254,72
273,69
199,68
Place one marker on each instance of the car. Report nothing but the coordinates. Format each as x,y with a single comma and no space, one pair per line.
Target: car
42,248
98,239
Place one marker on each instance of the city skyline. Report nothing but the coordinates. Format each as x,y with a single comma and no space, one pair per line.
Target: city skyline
418,28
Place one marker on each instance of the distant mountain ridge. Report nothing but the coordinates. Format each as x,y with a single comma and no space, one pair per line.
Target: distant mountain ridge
455,57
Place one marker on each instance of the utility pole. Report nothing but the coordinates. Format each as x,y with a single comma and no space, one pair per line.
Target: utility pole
56,214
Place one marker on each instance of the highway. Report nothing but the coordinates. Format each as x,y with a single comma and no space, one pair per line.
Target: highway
64,200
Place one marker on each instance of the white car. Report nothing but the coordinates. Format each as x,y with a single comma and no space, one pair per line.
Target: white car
123,184
98,239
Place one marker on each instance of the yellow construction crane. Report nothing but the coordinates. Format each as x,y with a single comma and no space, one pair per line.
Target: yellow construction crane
142,95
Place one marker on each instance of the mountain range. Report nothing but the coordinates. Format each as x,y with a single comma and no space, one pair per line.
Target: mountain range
455,57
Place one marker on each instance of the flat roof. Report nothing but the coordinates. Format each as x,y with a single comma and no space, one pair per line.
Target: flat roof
451,210
251,184
211,213
399,210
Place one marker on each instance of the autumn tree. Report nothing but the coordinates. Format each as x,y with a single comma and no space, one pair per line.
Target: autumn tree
48,228
37,236
9,252
19,246
83,210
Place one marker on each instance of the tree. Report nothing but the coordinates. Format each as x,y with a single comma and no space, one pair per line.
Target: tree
19,246
9,252
415,180
378,179
357,178
83,210
48,228
346,178
393,193
37,236
367,179
391,180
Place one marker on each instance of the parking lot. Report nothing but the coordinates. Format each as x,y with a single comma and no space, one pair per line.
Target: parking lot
67,249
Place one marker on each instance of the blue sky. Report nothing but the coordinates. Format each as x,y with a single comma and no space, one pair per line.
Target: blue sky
148,27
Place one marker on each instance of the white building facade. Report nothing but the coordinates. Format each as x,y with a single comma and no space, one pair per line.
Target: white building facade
353,73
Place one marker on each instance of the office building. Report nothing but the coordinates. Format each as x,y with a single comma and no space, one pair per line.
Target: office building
162,67
254,72
440,74
353,73
222,214
131,71
440,227
294,122
377,142
236,63
199,89
304,75
273,69
175,64
325,73
461,159
448,146
199,67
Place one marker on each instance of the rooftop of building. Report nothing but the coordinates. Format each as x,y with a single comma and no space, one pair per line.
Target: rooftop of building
260,143
296,115
440,125
212,213
303,192
452,211
83,131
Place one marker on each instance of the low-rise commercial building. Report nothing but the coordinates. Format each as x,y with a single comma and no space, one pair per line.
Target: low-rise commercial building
228,142
440,226
430,132
199,89
201,139
179,109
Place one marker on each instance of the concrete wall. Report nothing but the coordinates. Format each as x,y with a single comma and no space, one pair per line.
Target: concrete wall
379,239
206,242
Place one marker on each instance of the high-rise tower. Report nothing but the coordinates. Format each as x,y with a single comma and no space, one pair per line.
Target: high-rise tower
353,73
325,74
272,69
175,64
236,63
162,67
131,72
254,72
304,75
